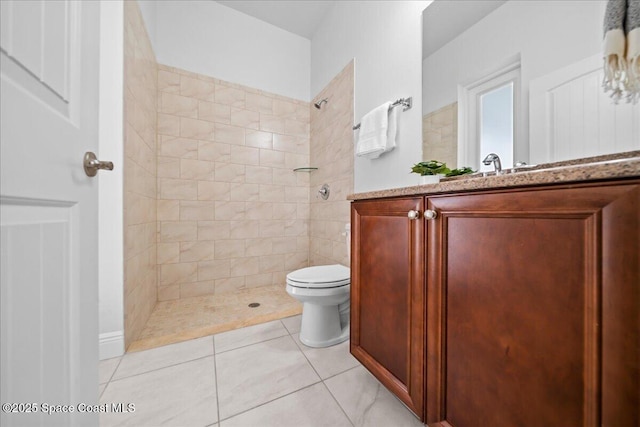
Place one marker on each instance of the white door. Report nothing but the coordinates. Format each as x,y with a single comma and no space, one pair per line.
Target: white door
571,116
48,211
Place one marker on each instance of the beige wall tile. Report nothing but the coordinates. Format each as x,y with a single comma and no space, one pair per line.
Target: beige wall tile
168,210
244,229
272,193
168,124
258,174
168,293
178,189
271,158
230,210
257,280
140,166
178,147
212,112
168,253
196,211
208,190
197,129
177,105
244,192
286,177
245,155
168,82
214,151
168,167
271,263
260,103
259,139
171,274
272,228
188,290
245,118
271,123
230,96
178,231
229,285
230,248
196,251
196,169
211,270
229,172
213,230
197,88
229,134
296,128
258,246
244,266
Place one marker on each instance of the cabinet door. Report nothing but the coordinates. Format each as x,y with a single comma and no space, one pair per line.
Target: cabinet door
387,295
533,314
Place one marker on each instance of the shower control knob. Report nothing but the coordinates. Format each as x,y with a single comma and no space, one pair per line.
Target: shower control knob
429,214
413,214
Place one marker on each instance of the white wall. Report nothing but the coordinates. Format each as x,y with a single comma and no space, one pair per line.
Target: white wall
209,38
547,35
149,10
385,38
110,258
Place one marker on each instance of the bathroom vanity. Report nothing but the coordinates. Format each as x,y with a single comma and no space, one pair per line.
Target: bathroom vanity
509,300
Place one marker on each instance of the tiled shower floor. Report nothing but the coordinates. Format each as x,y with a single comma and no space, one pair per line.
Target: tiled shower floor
180,320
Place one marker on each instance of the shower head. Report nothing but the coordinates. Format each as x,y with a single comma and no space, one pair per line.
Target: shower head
318,104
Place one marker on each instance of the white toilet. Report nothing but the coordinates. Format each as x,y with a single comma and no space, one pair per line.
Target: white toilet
324,292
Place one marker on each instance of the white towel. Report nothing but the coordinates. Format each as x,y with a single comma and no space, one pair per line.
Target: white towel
378,130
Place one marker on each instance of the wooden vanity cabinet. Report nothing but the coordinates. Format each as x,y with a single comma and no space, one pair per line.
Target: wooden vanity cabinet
388,296
532,307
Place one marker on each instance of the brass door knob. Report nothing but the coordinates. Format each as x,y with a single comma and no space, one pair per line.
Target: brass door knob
92,164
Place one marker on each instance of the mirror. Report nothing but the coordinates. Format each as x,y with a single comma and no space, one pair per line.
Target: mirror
519,78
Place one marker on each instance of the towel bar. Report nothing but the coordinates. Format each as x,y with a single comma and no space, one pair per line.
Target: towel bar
406,103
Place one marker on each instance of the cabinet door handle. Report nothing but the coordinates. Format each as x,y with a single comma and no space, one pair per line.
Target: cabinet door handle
413,214
429,214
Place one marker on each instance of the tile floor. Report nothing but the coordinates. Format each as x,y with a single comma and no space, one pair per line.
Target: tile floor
185,319
257,376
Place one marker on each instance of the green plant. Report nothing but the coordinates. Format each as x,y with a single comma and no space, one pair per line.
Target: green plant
432,167
460,171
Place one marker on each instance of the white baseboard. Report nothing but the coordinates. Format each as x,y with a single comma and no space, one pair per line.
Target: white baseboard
111,345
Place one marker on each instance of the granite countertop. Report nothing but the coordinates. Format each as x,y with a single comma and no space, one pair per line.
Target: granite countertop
620,165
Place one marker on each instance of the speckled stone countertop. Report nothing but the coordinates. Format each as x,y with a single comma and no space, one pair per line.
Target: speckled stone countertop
621,165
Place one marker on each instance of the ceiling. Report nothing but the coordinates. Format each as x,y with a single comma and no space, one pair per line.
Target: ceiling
299,17
444,20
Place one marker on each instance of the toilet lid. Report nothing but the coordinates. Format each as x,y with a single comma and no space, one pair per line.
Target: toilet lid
322,276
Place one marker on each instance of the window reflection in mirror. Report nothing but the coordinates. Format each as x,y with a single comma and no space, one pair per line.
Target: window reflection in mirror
496,124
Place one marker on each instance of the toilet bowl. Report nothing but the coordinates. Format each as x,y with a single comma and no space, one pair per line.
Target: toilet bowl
324,293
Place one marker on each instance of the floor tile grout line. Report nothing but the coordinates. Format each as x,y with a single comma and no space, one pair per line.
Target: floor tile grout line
115,370
335,399
305,356
270,401
158,369
215,375
249,345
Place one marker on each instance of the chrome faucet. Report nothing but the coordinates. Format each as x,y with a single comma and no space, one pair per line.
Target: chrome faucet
495,159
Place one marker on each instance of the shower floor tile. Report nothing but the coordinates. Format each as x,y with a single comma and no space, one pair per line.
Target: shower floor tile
180,320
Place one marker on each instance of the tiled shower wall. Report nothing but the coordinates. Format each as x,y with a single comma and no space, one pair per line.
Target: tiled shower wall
332,153
440,135
140,99
232,213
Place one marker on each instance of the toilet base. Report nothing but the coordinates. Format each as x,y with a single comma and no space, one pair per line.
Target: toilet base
321,326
